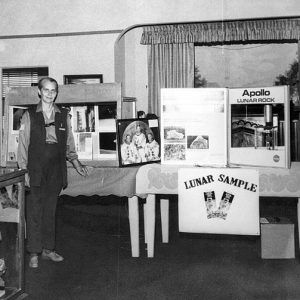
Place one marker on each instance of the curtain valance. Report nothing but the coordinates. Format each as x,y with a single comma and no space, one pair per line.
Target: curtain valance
223,31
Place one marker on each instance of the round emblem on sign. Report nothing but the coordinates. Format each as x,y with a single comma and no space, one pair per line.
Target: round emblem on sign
276,158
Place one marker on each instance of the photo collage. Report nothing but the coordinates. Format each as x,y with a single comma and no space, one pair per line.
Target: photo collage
93,127
94,131
193,124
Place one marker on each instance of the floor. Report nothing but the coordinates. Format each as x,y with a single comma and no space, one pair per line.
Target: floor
93,236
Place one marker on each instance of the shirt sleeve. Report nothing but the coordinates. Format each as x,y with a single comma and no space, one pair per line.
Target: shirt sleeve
24,138
71,150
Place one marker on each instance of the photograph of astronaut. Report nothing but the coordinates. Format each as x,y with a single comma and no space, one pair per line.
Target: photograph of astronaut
138,141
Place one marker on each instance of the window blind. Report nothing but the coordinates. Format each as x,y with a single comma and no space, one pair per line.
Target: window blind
15,77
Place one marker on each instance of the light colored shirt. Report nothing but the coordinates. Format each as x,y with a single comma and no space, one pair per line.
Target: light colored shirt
152,150
24,136
128,153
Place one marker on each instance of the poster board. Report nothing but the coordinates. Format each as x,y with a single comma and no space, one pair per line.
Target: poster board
259,131
226,127
218,200
193,126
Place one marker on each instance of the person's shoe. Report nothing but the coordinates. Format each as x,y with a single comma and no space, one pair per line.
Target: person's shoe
2,287
33,261
51,255
2,292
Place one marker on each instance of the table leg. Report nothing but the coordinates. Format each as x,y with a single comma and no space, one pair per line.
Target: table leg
150,226
164,216
145,222
298,217
133,208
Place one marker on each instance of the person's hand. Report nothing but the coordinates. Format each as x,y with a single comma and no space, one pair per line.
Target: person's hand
27,180
81,169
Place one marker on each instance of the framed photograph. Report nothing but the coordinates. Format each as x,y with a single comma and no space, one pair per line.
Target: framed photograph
83,79
138,141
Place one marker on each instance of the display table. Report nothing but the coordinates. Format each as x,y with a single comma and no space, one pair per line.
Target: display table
104,179
12,229
155,179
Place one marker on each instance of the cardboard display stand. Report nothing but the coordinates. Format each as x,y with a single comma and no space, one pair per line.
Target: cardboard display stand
277,238
259,131
224,127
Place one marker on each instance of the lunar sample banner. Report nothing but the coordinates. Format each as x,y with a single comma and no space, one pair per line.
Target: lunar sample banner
218,200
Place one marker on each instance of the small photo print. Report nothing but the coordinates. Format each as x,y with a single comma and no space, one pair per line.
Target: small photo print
174,134
174,152
225,204
197,142
84,145
83,118
210,203
84,142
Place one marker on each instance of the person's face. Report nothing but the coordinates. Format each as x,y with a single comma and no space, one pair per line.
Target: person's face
127,140
150,137
138,129
48,92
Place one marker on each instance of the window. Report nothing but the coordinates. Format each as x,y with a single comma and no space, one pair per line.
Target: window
251,65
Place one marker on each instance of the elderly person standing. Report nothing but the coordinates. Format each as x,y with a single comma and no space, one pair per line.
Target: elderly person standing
45,142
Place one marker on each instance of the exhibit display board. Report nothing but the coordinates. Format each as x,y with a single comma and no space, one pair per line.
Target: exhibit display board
259,131
94,131
224,127
218,200
194,126
93,109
